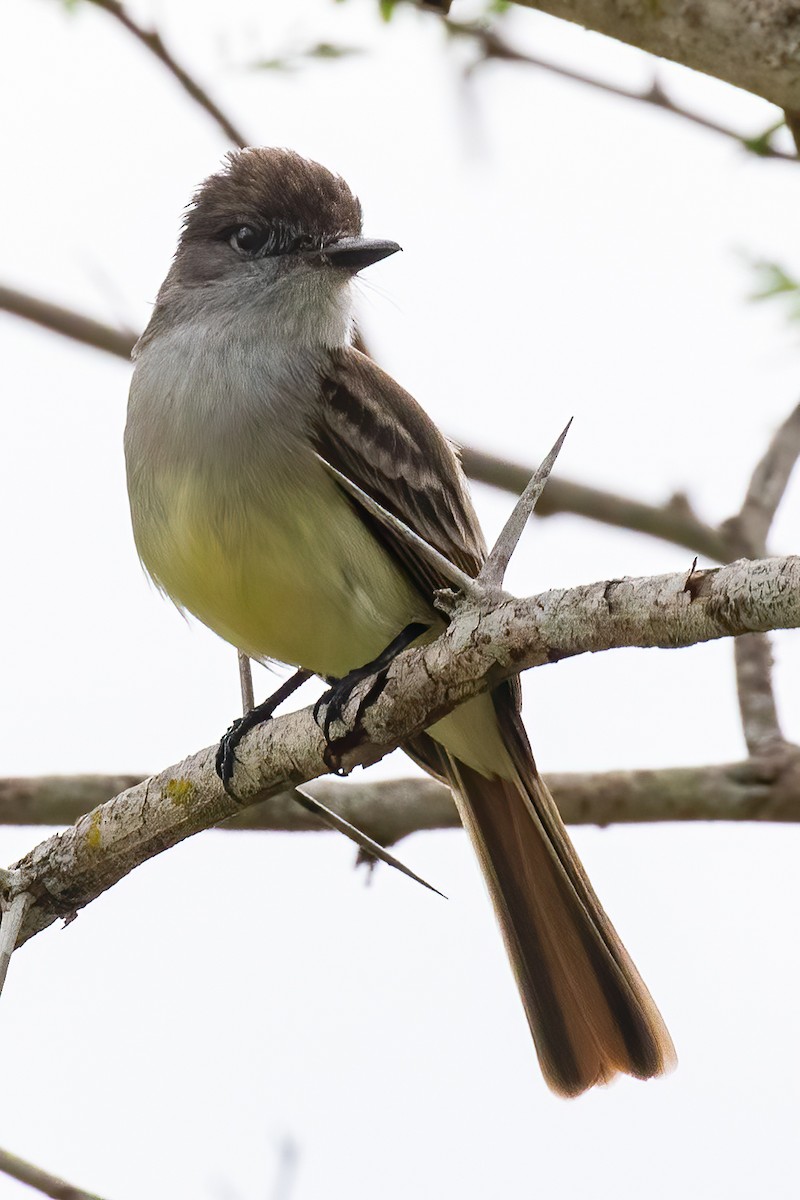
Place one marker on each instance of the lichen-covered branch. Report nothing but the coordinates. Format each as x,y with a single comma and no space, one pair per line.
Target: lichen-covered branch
389,810
753,44
479,648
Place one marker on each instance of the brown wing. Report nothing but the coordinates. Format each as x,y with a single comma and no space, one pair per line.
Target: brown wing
377,435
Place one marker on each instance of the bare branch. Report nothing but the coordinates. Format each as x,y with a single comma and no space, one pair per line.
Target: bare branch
493,47
35,1177
151,40
391,810
478,649
672,522
753,659
752,44
67,322
749,530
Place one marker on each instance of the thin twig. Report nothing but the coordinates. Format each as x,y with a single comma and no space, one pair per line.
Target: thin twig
43,1181
67,322
246,683
495,48
151,40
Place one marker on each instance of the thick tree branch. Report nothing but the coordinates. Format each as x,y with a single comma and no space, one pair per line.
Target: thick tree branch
151,40
493,47
478,649
753,44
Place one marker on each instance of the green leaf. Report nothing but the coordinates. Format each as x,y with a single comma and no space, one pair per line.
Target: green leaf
386,8
297,58
773,281
329,50
761,144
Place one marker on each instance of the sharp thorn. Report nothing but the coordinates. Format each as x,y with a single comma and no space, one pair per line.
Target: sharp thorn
494,569
453,574
13,916
361,839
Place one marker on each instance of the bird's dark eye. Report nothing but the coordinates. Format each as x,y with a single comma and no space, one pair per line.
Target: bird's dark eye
247,239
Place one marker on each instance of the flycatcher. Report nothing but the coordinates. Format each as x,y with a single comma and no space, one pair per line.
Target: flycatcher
245,379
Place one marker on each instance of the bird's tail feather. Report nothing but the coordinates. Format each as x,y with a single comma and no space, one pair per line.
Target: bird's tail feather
590,1014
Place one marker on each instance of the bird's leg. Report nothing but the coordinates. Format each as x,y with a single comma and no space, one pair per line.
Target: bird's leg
226,752
340,691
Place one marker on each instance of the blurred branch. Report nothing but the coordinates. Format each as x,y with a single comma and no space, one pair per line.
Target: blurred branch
493,47
749,530
67,322
151,40
35,1177
479,648
389,810
673,522
752,44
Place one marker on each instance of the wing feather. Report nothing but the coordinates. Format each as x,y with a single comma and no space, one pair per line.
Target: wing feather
376,434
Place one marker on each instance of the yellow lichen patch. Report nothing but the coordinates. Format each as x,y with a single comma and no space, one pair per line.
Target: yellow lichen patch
94,836
179,791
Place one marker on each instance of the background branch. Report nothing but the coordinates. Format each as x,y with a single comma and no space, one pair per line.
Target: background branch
493,47
68,322
42,1181
750,529
151,40
673,522
752,44
389,810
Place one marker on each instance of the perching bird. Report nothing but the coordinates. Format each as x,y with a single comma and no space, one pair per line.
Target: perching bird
246,384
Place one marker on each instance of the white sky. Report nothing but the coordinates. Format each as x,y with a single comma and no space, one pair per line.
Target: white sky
564,253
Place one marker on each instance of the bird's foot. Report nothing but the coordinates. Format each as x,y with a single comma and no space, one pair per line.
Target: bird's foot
331,704
225,761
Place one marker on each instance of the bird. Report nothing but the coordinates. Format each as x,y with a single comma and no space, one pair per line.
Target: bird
249,403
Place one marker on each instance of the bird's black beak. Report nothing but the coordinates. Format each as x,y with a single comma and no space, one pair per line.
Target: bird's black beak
355,253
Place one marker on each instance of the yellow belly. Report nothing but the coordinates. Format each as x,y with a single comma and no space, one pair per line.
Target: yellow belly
298,586
291,584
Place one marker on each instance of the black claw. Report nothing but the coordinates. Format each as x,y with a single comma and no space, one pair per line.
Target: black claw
225,760
338,694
